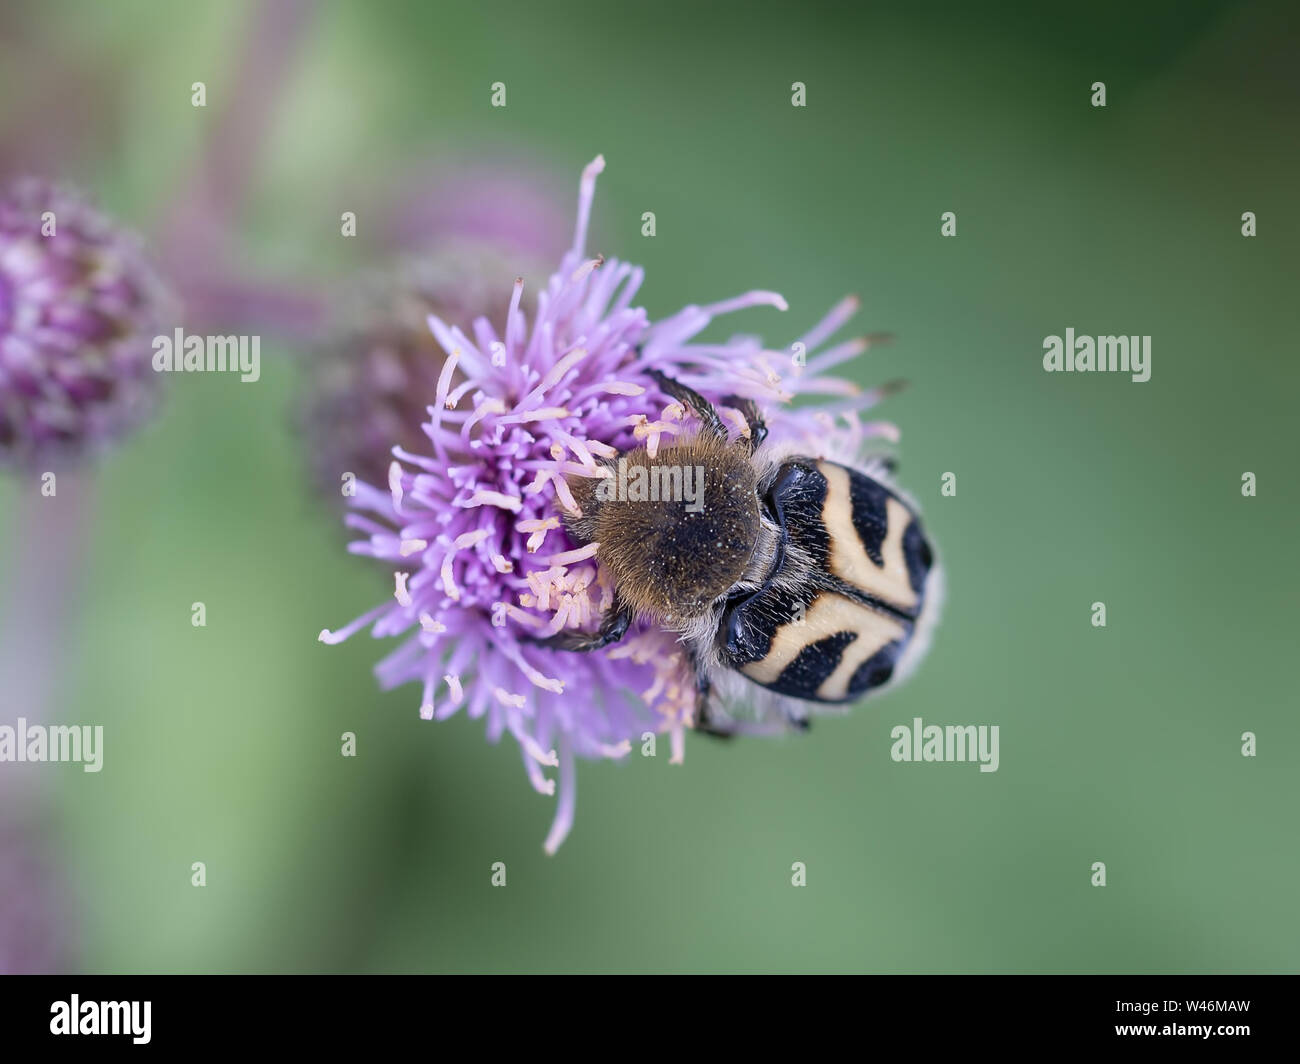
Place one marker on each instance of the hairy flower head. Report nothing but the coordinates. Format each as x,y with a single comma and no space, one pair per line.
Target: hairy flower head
470,520
79,308
369,384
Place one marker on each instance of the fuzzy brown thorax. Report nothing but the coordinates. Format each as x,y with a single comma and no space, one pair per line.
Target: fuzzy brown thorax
676,531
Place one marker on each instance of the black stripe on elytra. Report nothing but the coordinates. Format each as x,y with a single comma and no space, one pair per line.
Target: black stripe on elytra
816,662
870,502
871,519
811,666
918,555
876,671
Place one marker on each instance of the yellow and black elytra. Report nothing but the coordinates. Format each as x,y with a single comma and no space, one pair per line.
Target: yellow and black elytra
840,631
807,577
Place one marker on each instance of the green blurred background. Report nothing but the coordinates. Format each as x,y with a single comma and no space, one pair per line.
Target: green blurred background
1119,745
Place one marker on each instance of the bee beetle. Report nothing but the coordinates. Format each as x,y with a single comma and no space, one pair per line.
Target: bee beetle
810,579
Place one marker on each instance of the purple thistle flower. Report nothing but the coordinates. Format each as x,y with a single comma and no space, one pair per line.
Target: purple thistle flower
78,312
369,385
471,521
